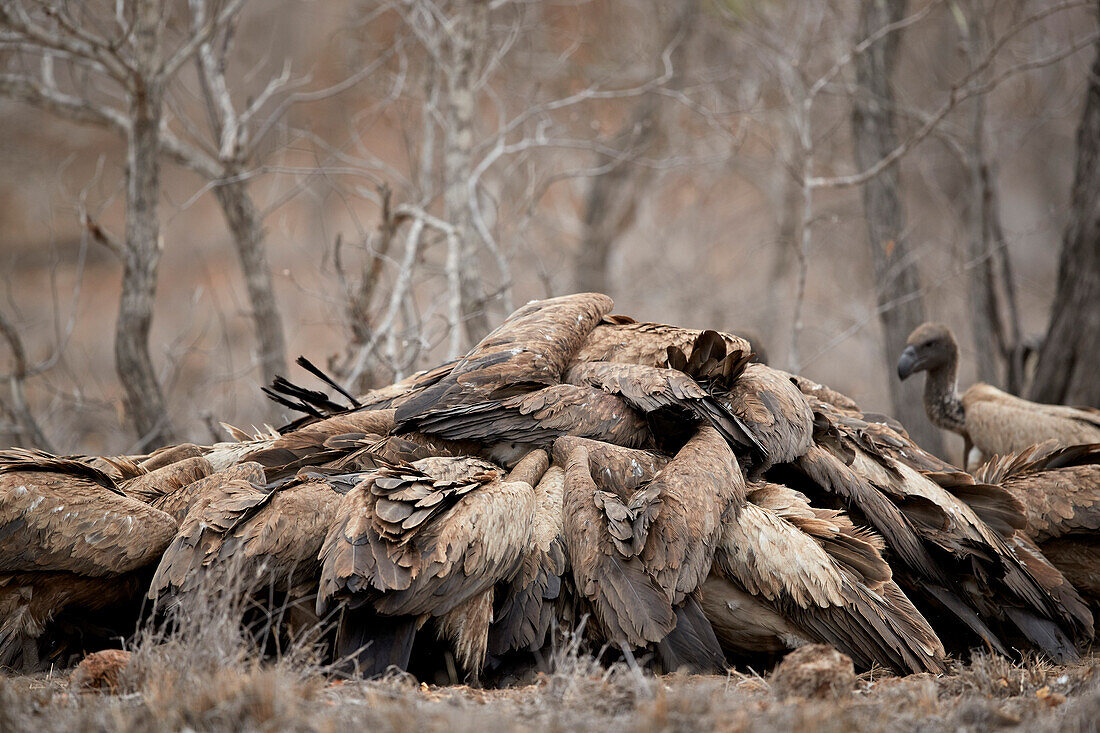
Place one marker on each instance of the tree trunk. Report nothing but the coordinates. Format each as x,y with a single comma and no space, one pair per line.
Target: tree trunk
1067,362
146,409
981,296
896,274
248,237
466,41
611,203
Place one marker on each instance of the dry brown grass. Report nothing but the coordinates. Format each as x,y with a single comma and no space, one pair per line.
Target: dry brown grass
175,686
205,672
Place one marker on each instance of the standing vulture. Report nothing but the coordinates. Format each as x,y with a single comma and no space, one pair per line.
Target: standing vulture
69,539
425,541
992,421
638,557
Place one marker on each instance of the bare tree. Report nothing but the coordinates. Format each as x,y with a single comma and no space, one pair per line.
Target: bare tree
1066,372
875,135
611,200
120,66
491,129
29,430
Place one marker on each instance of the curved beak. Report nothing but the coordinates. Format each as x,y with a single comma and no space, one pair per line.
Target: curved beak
908,363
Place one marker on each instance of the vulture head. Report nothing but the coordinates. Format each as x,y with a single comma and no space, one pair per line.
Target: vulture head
930,346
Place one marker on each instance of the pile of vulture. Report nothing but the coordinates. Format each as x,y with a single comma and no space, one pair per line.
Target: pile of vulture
651,489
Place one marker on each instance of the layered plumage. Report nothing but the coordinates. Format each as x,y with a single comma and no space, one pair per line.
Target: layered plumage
786,573
1059,490
946,554
386,508
637,557
530,350
420,541
68,535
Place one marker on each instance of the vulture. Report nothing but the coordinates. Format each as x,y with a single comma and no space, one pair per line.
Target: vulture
639,555
255,538
430,540
514,425
786,573
674,399
1059,489
529,602
953,553
774,411
179,503
991,421
166,480
623,340
530,350
70,539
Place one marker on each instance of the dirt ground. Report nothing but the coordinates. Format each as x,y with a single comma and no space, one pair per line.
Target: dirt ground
985,694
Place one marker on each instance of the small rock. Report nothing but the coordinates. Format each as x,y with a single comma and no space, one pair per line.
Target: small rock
814,671
100,671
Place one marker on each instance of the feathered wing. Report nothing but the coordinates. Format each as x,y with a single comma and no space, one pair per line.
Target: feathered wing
700,488
527,605
538,417
664,396
529,350
62,515
180,502
406,543
774,411
1058,488
614,468
960,561
268,537
626,341
826,579
149,487
601,532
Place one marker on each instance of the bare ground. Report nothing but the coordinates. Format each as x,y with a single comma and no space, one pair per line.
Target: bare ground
171,690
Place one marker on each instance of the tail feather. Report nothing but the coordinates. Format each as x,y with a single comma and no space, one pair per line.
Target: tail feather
692,643
371,643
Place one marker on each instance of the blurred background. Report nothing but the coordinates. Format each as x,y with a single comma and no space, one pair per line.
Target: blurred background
194,193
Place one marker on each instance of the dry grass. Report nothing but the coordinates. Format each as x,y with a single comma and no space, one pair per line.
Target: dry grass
205,673
175,686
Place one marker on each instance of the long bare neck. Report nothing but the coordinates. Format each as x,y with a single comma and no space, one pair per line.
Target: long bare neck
941,397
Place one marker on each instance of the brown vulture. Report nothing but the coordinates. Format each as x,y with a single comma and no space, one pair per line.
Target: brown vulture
639,556
623,340
992,421
70,540
256,540
528,351
1059,489
427,540
787,573
956,553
